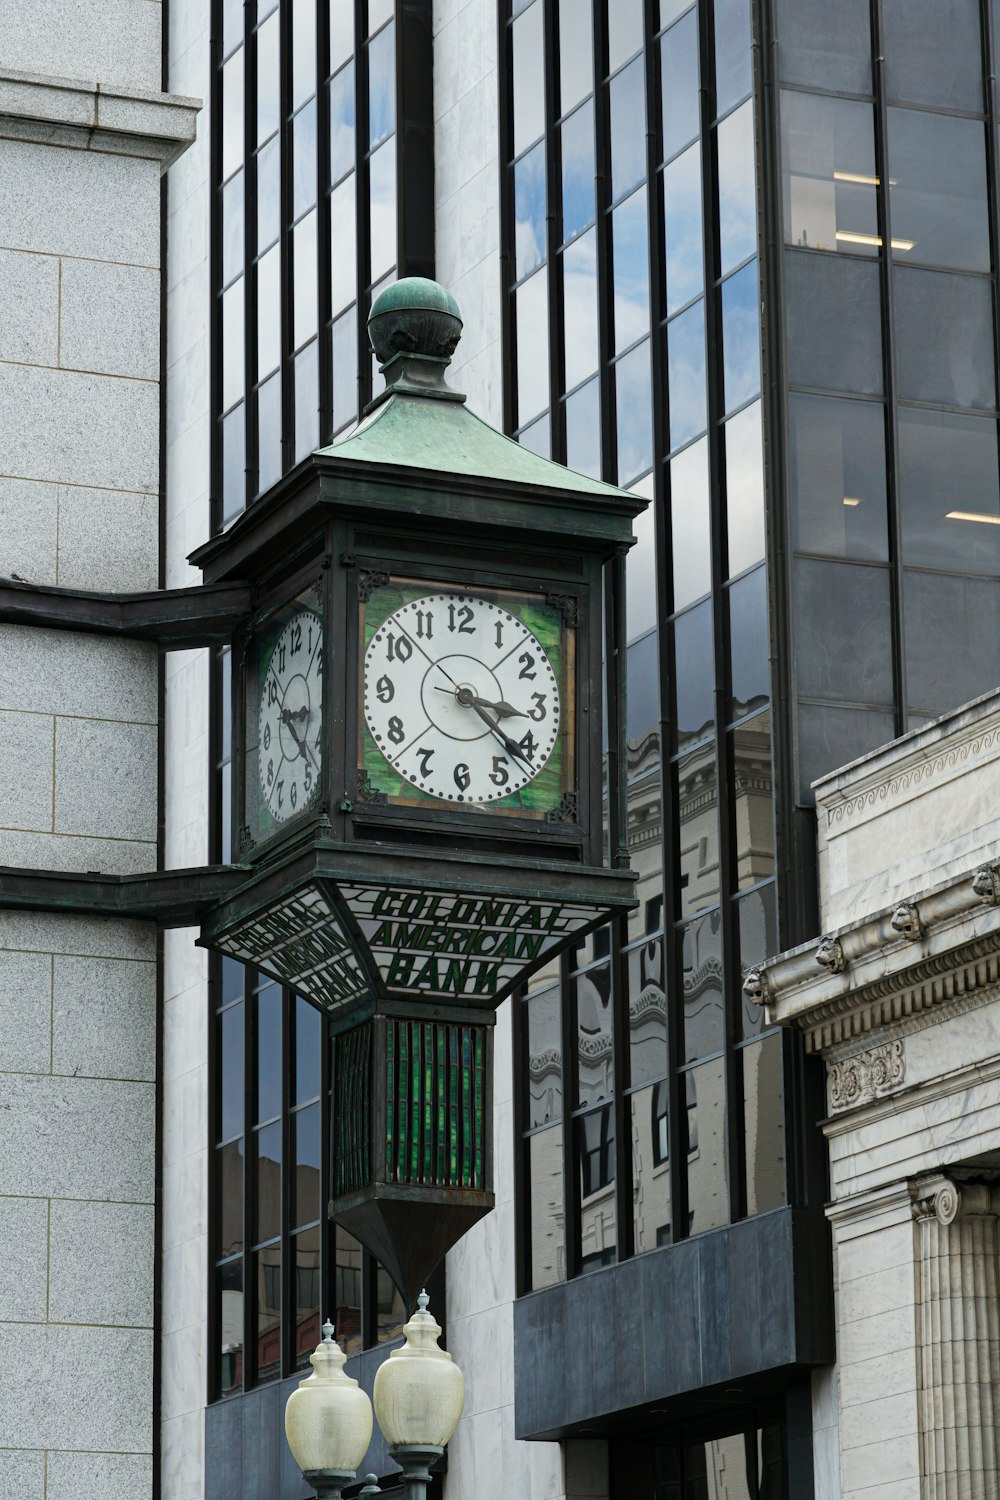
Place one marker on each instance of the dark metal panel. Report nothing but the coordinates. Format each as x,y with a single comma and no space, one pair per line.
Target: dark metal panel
271,1437
254,1487
224,1451
744,1304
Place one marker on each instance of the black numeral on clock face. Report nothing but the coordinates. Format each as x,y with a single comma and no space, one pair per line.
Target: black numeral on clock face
462,776
399,648
464,617
498,775
527,746
395,730
538,712
425,624
425,760
384,689
527,661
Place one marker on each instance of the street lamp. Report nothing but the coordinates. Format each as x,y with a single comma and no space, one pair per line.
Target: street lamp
328,1421
419,1394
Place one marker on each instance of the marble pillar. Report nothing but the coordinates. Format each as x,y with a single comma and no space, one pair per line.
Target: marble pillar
957,1228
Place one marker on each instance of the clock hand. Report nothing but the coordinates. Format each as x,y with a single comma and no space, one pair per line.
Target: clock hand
511,746
469,699
286,718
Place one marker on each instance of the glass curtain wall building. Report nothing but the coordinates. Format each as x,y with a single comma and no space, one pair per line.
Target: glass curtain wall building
749,268
313,214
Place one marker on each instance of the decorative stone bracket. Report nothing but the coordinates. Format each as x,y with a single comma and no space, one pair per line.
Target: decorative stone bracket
866,1076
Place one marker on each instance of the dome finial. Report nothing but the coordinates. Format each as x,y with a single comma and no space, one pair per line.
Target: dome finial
414,327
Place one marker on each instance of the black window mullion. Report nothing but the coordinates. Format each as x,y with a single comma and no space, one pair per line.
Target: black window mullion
571,1170
992,167
362,201
553,232
605,269
522,1200
250,254
505,125
889,368
324,305
285,259
415,228
286,1359
249,1179
215,272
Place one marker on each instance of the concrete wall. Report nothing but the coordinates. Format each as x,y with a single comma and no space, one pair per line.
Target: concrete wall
79,506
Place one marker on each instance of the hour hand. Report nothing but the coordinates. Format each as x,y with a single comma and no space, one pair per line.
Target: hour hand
503,710
287,716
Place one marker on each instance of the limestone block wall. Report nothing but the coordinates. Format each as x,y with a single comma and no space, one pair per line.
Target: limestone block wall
79,723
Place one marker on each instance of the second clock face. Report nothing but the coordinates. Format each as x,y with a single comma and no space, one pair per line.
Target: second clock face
461,698
290,728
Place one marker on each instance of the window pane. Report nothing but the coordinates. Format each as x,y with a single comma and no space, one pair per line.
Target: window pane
267,1216
682,228
690,524
343,236
229,1321
595,1067
641,611
733,72
583,430
382,185
389,1307
308,1041
933,52
232,229
942,617
269,432
757,926
230,1122
708,1193
651,1166
234,462
341,36
268,101
531,310
704,1001
269,1064
233,353
307,401
686,374
379,12
832,737
740,337
828,152
345,370
629,232
625,31
737,189
944,338
306,280
627,95
529,212
763,1124
643,710
347,1291
743,450
232,25
949,491
529,87
304,159
842,619
232,115
303,51
679,69
833,323
306,1183
547,1213
268,311
937,167
576,52
268,193
578,170
580,301
267,1281
825,45
837,476
595,1145
748,643
543,1022
634,402
647,1012
696,779
538,438
341,124
381,87
307,1294
694,688
753,801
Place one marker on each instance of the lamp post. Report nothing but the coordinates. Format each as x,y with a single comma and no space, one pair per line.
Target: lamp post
328,1421
419,1394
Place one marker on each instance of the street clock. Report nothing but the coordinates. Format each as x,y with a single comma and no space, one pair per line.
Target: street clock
419,702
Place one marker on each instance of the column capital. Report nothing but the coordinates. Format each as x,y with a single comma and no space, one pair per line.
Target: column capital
938,1196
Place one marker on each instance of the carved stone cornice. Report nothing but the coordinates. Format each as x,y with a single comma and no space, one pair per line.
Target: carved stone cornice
94,116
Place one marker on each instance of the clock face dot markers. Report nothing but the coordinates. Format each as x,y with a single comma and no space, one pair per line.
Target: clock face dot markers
289,720
461,698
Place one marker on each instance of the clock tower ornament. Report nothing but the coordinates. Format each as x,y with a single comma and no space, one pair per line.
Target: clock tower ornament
428,715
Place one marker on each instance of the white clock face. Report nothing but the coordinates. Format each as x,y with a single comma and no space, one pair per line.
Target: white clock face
290,723
461,698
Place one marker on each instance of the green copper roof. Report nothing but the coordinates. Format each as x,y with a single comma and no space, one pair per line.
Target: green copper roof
421,432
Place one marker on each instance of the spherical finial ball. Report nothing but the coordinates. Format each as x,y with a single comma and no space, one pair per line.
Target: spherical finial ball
414,317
